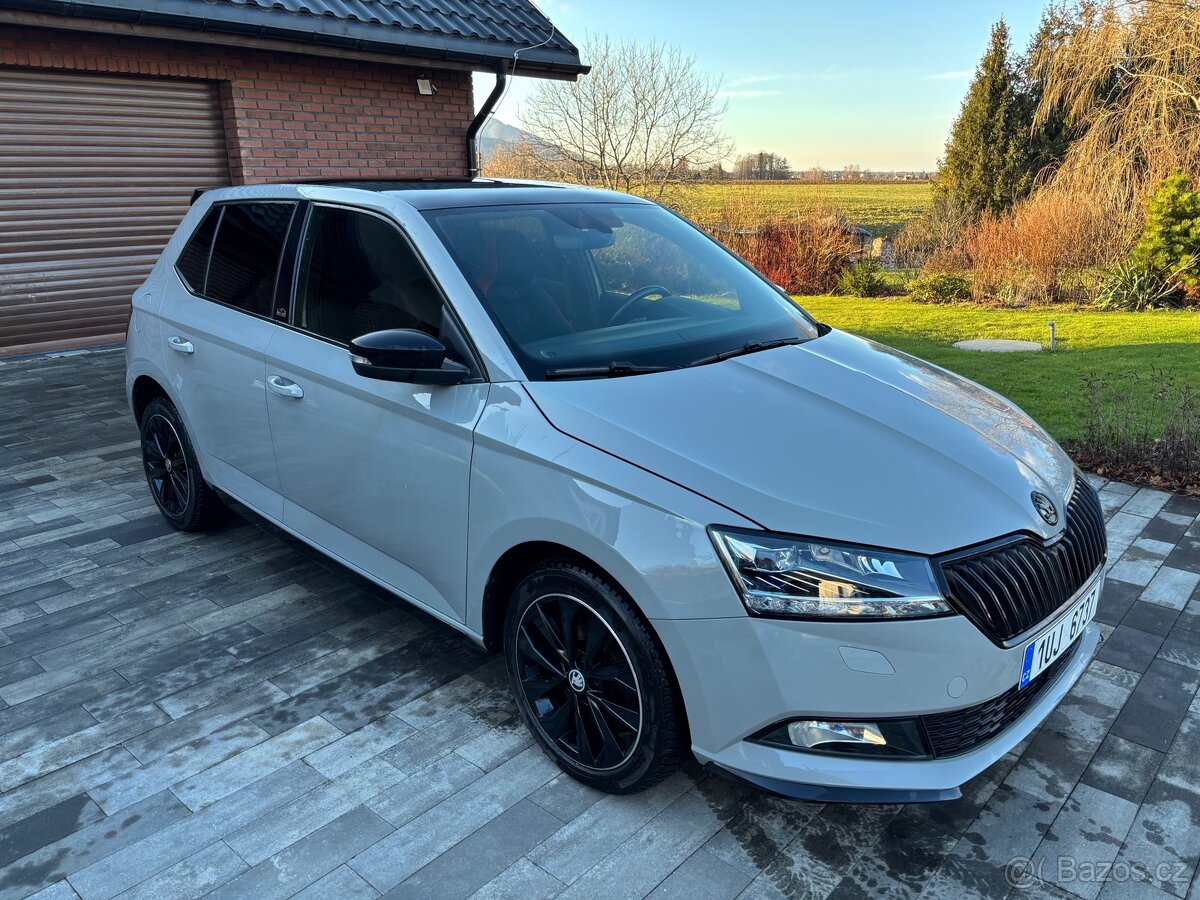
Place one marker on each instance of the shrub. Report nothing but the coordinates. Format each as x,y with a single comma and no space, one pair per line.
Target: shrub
938,231
1037,252
1135,286
1142,425
1170,244
860,279
803,255
940,287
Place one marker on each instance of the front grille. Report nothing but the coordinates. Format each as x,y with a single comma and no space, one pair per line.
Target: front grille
1005,590
963,729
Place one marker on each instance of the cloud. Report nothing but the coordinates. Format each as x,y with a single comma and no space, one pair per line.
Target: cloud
832,73
756,79
953,75
748,94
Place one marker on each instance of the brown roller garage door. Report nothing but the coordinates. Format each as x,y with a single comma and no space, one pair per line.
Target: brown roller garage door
95,173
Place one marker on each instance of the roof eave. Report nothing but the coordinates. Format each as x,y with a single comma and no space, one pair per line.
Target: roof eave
358,36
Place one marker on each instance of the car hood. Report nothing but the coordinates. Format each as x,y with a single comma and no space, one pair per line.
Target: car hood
839,438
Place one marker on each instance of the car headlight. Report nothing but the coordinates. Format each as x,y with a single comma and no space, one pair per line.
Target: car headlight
802,577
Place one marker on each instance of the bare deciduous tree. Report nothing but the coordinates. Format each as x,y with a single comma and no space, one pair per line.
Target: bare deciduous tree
524,158
643,118
1126,75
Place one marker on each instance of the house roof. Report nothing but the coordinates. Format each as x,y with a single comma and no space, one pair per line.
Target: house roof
482,32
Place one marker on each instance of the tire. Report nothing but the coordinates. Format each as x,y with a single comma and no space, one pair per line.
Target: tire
579,655
172,472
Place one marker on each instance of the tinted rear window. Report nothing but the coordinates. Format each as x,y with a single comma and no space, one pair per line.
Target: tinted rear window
193,261
245,257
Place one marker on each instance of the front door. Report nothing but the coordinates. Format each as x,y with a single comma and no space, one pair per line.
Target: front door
374,472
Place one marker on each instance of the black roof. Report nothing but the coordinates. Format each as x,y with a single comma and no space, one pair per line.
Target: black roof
481,32
435,193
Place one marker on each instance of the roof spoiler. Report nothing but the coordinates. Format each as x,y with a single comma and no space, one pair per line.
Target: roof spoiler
196,195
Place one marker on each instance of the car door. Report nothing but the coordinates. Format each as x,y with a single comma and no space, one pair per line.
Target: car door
374,472
216,329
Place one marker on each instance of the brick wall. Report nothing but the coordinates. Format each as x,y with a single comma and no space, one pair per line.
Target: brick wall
287,116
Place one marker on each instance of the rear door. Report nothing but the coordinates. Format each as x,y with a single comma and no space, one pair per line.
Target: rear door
216,321
374,472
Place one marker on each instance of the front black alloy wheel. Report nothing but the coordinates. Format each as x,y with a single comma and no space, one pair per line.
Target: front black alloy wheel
590,681
179,490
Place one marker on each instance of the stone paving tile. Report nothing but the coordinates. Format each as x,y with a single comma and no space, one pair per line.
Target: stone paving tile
702,875
1123,768
195,876
343,883
252,764
228,712
309,859
1158,705
1086,836
1182,647
815,862
45,826
410,847
1130,648
1116,600
1171,587
283,827
604,826
1153,618
1146,502
652,853
521,881
481,856
133,864
1164,840
89,845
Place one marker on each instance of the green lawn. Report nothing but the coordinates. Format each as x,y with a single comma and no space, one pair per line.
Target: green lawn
883,208
1050,387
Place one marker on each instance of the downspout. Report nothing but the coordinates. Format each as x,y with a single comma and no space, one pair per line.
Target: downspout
489,105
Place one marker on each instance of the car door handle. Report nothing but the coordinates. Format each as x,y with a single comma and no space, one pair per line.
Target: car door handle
277,384
179,345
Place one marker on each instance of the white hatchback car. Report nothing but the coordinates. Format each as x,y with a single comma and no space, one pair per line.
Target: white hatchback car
571,425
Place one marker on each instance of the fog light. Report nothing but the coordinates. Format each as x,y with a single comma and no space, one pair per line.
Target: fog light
883,737
811,734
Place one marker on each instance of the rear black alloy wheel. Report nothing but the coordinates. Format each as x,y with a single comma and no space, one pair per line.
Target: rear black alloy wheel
166,466
590,681
172,472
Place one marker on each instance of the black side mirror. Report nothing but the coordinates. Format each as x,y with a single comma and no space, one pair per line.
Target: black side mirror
405,354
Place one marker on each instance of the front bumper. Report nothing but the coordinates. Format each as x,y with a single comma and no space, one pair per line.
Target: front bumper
741,675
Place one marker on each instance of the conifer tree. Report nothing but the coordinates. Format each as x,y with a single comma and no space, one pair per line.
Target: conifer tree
987,164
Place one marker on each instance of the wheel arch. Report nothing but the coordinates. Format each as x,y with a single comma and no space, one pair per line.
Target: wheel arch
517,562
146,388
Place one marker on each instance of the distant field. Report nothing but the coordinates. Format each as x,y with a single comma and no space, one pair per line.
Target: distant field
881,208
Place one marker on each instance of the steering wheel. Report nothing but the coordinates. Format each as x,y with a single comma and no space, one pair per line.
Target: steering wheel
636,297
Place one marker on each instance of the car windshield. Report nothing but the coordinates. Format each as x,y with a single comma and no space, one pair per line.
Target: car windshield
593,289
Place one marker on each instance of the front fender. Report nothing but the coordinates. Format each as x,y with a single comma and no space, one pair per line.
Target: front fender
530,482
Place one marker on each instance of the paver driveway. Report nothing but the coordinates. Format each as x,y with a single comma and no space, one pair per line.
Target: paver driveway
182,714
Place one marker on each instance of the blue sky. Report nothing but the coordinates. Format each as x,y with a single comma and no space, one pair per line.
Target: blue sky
871,83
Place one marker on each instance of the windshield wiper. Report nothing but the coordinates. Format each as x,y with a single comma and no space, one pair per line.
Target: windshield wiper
748,347
612,370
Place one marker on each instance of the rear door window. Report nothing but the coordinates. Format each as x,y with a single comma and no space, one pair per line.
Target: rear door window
193,261
246,254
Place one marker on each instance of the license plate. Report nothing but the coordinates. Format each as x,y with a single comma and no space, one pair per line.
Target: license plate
1052,643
